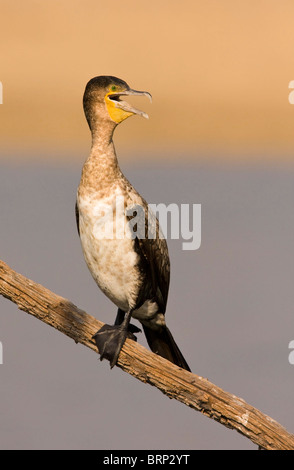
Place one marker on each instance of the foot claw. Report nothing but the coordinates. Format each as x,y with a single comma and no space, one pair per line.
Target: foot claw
134,329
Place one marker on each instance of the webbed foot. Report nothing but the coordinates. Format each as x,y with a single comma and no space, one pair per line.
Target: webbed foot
110,340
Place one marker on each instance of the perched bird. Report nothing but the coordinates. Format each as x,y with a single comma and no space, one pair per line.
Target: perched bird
133,271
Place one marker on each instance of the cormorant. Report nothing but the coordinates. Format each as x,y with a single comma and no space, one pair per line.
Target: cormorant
133,271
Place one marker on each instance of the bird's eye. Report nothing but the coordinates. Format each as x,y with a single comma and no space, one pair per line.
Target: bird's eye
113,88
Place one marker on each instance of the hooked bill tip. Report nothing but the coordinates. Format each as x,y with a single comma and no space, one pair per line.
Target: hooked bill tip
149,96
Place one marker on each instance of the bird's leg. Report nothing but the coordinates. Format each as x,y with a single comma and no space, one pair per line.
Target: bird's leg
120,318
110,338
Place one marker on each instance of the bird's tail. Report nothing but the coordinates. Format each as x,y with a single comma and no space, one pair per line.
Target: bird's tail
161,342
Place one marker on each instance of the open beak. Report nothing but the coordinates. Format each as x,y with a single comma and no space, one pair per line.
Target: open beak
116,98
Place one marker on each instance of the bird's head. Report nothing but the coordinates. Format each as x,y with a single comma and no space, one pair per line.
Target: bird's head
104,100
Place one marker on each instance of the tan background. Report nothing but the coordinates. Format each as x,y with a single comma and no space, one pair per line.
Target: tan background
218,71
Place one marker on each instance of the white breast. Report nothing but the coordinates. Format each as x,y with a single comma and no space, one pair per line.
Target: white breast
109,250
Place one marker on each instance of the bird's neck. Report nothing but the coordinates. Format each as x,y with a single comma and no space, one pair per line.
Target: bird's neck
101,167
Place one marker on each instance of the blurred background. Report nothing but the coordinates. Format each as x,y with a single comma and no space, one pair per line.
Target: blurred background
220,134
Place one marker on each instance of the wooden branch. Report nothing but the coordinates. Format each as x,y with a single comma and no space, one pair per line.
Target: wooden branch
188,388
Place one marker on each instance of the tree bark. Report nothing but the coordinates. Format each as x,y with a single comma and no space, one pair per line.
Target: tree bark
190,389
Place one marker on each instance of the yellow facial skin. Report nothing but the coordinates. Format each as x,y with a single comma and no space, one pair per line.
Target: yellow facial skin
116,114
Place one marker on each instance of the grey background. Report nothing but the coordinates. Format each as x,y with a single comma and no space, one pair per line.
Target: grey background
230,309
